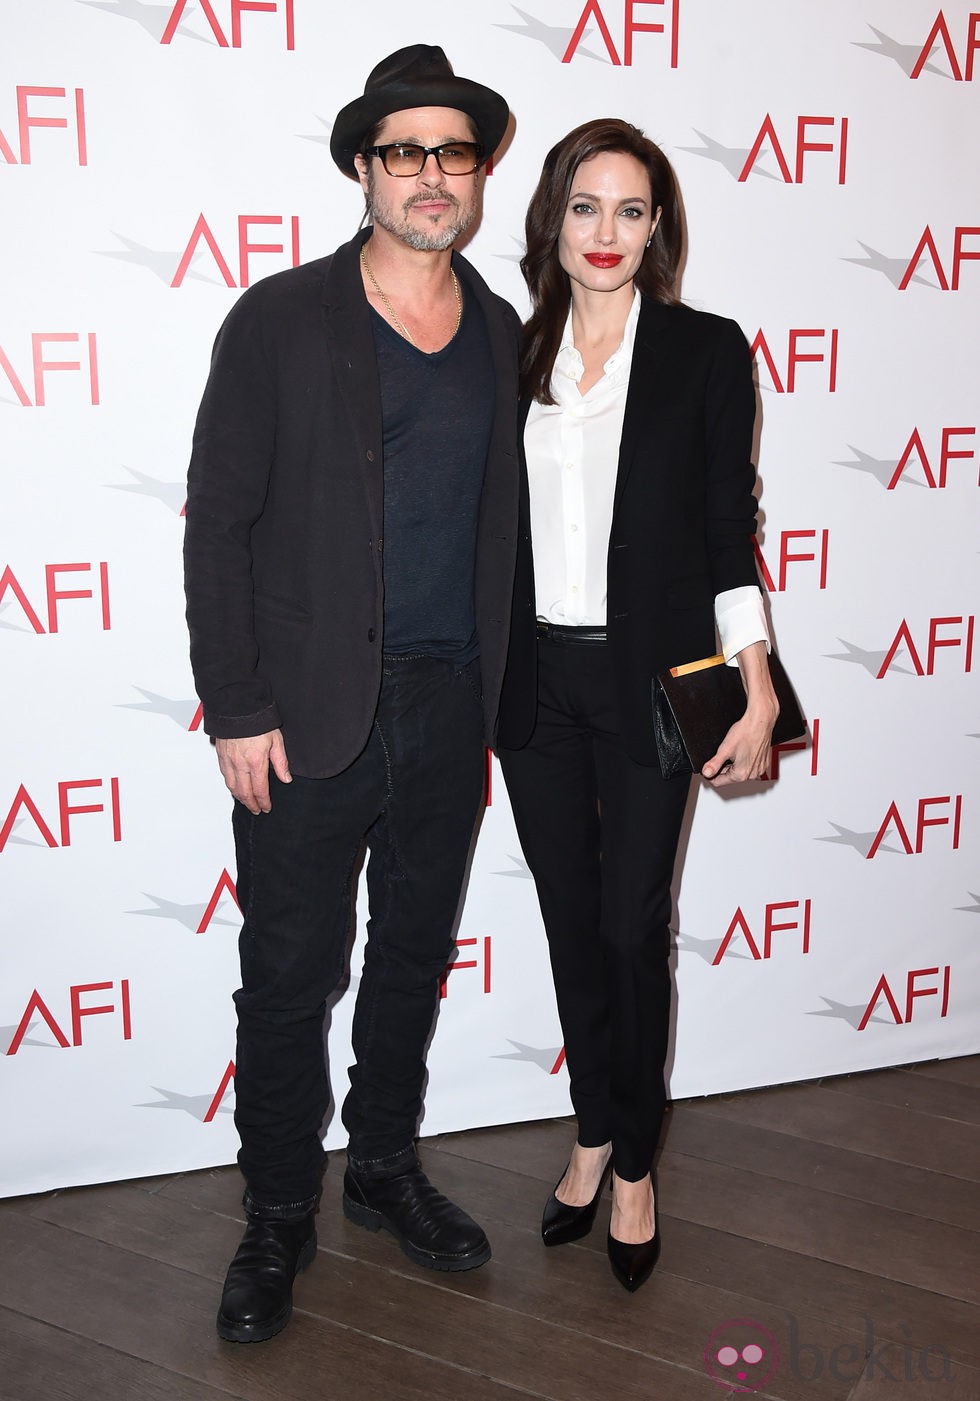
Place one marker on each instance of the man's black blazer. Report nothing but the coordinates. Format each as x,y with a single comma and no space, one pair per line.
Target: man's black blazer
283,550
683,517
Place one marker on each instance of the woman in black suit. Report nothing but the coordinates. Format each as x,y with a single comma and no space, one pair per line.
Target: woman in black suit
636,537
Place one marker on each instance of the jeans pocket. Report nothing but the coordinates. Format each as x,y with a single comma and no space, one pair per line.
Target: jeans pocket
472,677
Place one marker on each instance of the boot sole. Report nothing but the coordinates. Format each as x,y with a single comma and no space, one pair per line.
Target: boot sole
362,1215
233,1332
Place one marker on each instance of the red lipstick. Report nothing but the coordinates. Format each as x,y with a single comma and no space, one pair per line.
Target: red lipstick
604,260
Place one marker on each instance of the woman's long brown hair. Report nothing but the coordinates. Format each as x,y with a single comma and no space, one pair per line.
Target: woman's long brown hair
547,280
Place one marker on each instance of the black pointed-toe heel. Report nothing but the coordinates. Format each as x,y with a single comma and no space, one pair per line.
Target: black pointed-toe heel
561,1223
633,1264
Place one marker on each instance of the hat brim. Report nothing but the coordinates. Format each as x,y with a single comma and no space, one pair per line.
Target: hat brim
486,108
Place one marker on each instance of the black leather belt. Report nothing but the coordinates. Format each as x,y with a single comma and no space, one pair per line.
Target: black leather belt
577,637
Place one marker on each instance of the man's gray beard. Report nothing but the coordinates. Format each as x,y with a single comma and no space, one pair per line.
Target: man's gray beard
409,234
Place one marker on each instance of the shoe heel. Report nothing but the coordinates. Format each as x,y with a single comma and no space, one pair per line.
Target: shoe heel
361,1215
307,1255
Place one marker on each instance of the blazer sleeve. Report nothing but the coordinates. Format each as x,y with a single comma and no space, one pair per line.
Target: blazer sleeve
730,505
227,485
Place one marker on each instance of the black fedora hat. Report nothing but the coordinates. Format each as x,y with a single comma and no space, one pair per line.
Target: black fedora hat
419,76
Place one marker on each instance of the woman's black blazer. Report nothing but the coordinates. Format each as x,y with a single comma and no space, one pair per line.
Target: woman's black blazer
683,517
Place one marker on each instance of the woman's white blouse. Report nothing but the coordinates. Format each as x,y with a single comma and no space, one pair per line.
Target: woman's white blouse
572,449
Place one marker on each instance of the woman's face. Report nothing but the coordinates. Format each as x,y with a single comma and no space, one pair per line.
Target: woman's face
608,219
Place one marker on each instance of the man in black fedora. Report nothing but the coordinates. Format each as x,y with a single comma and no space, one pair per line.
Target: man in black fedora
351,515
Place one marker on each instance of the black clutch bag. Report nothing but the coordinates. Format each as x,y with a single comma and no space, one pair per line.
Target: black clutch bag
694,707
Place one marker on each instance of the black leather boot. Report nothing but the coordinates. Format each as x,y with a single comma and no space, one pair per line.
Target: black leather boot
430,1229
257,1299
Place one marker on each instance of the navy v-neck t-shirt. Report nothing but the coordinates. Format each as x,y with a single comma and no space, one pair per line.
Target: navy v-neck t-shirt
437,414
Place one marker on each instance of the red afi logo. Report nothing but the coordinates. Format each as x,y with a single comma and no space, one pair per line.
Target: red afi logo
55,595
883,990
66,811
939,33
631,25
202,231
894,818
903,637
36,1006
237,8
915,447
926,246
770,925
42,367
788,555
28,120
795,356
767,132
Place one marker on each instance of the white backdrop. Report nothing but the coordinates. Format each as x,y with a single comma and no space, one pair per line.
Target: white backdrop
157,157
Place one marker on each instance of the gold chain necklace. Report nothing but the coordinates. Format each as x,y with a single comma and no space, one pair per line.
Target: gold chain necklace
400,326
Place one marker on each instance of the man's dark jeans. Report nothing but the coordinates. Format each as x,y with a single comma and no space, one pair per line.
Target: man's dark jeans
413,796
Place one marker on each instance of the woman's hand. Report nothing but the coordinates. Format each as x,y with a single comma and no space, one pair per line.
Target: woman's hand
744,752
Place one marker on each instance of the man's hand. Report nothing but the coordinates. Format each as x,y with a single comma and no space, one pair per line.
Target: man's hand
744,752
244,765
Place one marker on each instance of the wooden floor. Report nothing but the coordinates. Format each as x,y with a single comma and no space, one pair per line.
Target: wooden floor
840,1218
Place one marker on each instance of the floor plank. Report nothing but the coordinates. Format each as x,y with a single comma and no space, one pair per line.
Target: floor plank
962,1070
38,1360
932,1195
861,1125
895,1245
932,1098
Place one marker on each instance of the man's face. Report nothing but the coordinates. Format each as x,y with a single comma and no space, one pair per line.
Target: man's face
430,210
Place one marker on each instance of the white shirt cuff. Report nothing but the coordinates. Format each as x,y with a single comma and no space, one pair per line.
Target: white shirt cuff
741,620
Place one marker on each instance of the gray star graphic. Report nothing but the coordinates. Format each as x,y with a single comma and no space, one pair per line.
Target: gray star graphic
555,38
7,1034
189,916
512,257
705,949
882,470
13,627
905,55
973,909
172,494
181,712
194,1105
520,871
871,661
543,1056
163,263
152,18
860,841
323,138
844,1013
892,268
12,837
733,158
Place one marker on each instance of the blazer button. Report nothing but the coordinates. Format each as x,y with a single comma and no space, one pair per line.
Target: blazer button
370,634
369,455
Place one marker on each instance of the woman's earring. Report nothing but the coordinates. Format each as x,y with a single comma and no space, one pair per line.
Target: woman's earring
649,240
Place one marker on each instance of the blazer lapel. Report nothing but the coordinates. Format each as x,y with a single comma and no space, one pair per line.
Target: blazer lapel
350,342
649,348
